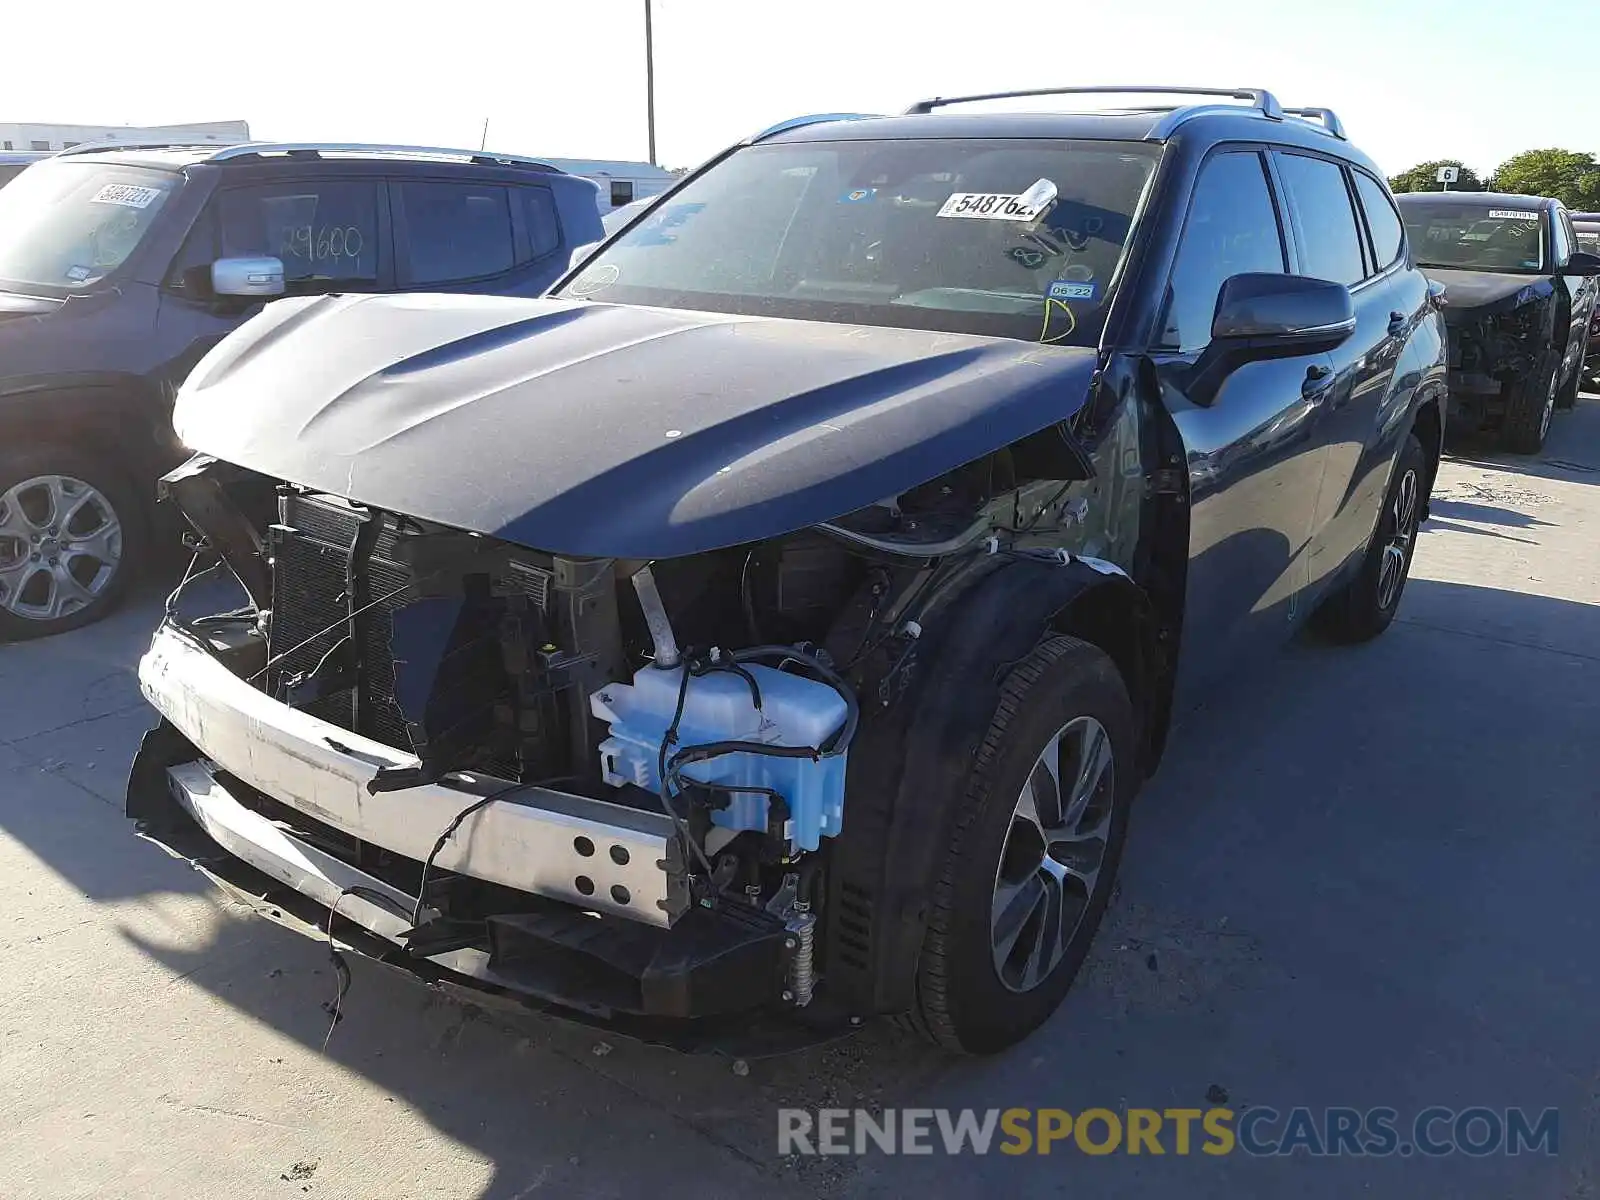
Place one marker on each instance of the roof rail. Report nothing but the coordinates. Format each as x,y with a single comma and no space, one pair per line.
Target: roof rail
362,150
1329,118
812,119
95,147
1263,100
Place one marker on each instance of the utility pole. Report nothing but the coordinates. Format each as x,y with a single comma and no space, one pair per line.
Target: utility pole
650,81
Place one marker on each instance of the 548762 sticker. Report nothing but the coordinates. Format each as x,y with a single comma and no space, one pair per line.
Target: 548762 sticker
989,206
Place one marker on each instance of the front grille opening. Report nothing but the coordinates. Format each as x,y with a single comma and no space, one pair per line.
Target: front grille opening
346,596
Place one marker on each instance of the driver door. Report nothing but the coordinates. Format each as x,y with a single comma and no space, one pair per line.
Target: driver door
1582,292
1255,451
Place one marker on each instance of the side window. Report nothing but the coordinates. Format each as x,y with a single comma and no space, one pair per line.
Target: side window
456,231
621,192
1330,245
539,217
325,232
1561,230
1382,220
1232,230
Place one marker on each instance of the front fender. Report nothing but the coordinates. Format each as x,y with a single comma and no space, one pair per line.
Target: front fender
123,415
909,765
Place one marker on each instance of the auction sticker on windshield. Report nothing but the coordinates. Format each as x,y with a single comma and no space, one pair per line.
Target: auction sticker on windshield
989,206
1512,215
126,194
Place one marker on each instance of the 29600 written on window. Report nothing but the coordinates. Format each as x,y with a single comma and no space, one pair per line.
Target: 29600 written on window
321,232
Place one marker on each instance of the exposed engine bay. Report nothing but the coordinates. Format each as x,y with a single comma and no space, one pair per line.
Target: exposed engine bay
716,695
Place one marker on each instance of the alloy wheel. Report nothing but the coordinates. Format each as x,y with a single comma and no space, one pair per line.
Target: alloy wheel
1398,549
60,547
1054,849
1549,403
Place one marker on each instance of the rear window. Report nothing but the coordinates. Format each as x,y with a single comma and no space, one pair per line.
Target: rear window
1015,237
456,231
1330,244
1382,220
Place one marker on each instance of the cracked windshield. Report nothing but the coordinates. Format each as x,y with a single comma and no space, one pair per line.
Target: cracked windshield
64,225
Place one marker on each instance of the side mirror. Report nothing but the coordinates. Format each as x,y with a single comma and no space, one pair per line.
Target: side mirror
261,278
1438,294
1262,316
1582,263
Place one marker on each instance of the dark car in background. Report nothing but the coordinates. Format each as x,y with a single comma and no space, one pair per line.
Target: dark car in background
1519,301
15,162
773,626
120,268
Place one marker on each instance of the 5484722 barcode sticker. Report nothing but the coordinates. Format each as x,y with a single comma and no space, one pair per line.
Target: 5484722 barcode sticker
989,206
126,194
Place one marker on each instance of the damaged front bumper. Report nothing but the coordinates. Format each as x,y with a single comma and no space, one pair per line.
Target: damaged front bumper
595,919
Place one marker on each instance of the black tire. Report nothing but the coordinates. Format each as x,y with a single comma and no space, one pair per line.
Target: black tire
1527,418
105,583
1364,607
1567,396
961,1002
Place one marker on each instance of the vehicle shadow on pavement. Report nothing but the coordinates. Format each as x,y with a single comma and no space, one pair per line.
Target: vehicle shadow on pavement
1308,914
1569,451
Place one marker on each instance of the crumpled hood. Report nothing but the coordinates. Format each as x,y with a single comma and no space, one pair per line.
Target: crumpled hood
595,429
1482,293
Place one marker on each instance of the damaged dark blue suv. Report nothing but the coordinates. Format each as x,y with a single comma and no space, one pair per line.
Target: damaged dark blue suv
120,268
773,627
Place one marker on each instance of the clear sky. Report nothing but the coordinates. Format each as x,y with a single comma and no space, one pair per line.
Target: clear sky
1412,79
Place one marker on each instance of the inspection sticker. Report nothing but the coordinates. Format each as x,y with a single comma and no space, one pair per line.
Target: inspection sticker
1512,215
1065,289
989,206
126,194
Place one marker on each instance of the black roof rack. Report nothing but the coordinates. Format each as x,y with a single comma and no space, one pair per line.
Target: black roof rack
1330,119
1262,99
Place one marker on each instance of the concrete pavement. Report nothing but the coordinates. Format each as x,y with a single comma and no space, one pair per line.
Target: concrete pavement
1362,877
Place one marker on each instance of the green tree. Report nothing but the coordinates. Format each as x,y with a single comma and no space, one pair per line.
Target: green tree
1424,177
1571,176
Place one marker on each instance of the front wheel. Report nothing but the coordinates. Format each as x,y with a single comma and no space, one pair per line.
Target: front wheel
70,528
1364,607
1527,419
1567,395
1033,854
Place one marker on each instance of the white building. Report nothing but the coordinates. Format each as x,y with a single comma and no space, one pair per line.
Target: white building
620,182
64,137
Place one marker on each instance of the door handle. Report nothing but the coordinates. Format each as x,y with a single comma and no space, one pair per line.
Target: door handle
1397,323
1317,381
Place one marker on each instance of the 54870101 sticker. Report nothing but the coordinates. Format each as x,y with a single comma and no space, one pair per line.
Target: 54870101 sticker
128,195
